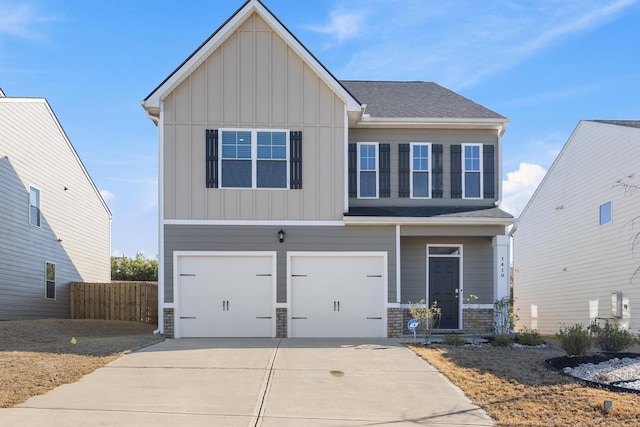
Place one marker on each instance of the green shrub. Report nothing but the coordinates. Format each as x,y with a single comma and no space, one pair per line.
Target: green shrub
613,339
454,340
575,340
529,337
502,340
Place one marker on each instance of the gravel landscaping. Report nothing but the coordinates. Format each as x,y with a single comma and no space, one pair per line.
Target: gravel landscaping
39,355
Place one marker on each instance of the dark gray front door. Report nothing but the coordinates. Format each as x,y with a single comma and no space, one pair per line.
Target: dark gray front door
444,283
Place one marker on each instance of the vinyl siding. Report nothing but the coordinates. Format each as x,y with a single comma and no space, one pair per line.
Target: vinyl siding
265,238
35,152
566,265
477,266
434,136
253,80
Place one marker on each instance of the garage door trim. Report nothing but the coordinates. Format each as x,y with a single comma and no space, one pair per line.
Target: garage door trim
176,280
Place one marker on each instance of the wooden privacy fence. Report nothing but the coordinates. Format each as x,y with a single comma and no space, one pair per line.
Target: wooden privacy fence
133,301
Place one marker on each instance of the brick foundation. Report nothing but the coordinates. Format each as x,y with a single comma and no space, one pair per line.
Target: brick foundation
477,320
281,323
395,317
167,315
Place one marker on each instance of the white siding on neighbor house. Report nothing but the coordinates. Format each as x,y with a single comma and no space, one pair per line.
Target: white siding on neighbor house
253,80
75,224
447,138
566,265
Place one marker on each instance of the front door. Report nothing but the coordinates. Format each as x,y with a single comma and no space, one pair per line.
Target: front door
444,286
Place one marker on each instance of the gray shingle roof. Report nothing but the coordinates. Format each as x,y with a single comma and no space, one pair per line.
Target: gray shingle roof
429,212
628,123
415,100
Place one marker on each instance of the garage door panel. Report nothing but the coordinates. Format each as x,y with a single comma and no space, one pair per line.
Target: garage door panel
226,296
337,296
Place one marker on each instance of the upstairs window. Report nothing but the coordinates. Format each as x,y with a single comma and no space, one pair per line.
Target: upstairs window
420,170
368,170
34,206
254,158
605,213
472,171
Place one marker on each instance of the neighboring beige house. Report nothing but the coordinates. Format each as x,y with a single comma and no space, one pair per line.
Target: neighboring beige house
574,258
55,228
293,204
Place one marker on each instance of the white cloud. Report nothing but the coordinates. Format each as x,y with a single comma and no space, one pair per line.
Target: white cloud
107,195
520,186
18,20
342,24
116,253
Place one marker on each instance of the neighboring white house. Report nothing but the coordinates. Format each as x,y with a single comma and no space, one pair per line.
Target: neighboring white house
55,228
294,204
574,258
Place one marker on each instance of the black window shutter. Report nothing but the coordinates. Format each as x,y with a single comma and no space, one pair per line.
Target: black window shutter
456,171
404,170
353,170
212,158
384,151
295,160
488,161
437,169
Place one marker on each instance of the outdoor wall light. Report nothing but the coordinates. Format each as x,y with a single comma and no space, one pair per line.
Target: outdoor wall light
281,234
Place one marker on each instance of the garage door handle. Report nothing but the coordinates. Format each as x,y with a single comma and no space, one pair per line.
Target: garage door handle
374,275
181,317
187,275
298,275
374,318
263,317
225,305
336,306
264,275
294,318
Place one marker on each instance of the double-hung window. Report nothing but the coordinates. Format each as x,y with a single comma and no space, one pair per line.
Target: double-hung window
50,281
420,170
34,206
252,158
472,171
368,170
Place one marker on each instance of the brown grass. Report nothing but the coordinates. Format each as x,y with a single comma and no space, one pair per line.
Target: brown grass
37,355
515,388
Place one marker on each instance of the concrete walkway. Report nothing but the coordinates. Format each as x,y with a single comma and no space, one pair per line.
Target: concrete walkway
257,382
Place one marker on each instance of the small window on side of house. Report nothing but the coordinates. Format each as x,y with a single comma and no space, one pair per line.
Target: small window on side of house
605,213
50,280
34,206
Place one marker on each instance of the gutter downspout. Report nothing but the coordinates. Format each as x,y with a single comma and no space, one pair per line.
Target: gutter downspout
499,174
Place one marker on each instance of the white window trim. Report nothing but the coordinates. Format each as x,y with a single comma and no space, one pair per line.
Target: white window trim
377,171
254,157
39,208
602,224
429,171
55,291
480,172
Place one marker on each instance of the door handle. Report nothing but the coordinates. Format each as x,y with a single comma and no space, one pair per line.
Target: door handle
334,306
225,305
338,305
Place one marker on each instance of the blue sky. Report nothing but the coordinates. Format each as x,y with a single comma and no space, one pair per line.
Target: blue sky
545,64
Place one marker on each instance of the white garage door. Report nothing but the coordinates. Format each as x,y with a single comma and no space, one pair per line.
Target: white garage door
337,295
225,296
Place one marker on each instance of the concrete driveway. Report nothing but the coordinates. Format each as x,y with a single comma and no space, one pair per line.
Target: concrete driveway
257,382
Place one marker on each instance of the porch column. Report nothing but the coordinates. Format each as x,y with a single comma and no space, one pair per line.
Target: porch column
500,267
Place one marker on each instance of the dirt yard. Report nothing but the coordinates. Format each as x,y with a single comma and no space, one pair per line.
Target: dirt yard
514,387
39,355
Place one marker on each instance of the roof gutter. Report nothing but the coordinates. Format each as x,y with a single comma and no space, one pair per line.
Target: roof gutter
368,220
155,118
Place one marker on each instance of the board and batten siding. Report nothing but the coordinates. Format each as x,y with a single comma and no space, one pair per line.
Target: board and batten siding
566,265
253,80
477,266
265,238
446,137
75,225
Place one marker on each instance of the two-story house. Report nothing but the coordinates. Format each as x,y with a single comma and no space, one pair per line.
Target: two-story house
293,204
55,227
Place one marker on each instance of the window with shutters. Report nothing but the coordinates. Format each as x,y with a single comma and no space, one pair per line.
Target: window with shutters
254,158
472,171
368,170
420,170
